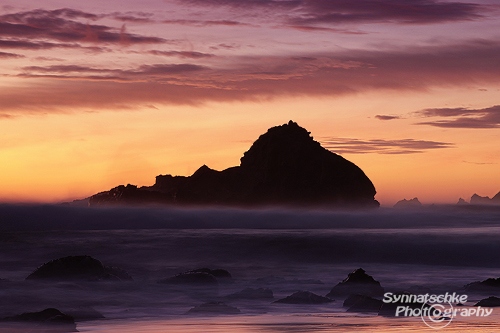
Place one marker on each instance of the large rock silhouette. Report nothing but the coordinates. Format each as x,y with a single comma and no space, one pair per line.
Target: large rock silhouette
284,166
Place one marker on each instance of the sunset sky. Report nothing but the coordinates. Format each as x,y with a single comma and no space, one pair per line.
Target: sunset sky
94,94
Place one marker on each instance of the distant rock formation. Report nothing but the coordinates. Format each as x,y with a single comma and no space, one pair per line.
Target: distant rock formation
479,200
413,203
357,282
77,268
304,297
284,166
461,201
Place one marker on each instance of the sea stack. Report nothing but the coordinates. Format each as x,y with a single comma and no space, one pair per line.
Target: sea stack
284,166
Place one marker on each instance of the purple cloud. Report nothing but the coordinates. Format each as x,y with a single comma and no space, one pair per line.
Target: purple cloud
386,117
463,117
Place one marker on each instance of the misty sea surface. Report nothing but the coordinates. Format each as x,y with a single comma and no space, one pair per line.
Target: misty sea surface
437,249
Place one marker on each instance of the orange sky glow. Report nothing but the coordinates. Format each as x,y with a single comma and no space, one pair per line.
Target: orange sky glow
97,94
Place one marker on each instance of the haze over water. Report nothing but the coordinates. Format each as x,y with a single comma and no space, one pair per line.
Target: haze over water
441,249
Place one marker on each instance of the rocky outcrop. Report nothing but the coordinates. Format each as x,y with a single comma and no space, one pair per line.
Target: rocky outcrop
412,203
48,320
461,201
78,268
284,166
357,282
304,297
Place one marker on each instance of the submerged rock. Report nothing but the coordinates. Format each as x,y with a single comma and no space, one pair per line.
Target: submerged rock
50,318
357,282
484,286
304,297
214,308
253,294
284,166
78,268
361,303
489,302
191,278
219,273
84,313
200,276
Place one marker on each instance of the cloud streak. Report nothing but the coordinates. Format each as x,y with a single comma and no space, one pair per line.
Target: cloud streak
386,117
313,12
463,117
10,55
380,146
61,26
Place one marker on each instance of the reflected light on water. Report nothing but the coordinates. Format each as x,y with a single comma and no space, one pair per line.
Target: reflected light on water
288,323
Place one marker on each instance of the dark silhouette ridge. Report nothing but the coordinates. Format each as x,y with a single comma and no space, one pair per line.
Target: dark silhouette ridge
284,166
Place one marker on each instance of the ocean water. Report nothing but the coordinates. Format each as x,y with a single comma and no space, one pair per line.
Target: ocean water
438,249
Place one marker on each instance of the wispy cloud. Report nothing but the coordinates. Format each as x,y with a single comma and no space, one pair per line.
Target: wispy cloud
207,23
386,117
380,146
181,54
463,117
10,55
47,27
155,72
